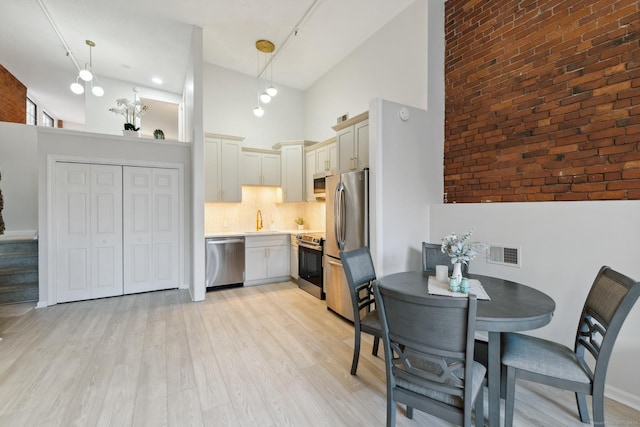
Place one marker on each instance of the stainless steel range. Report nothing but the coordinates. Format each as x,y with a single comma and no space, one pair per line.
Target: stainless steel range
310,273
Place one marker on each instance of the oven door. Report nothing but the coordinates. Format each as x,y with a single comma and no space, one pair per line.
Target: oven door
310,274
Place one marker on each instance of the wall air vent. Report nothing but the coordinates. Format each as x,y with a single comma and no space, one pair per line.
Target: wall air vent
505,255
343,118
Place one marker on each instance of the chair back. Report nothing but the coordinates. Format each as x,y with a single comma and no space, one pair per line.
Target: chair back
432,255
360,273
610,300
429,343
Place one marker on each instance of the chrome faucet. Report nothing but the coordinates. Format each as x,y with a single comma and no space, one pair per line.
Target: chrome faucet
259,220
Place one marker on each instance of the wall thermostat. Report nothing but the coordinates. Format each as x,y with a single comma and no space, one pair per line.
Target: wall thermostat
404,114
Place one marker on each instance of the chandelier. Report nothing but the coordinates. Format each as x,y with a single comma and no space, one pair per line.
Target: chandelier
264,93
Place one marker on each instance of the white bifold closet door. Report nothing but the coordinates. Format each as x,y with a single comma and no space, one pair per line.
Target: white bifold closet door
151,229
88,227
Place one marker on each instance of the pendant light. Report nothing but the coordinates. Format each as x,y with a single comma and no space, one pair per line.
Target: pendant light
264,46
86,74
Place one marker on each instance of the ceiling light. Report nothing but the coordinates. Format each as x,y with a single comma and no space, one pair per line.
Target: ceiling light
264,97
77,88
97,90
86,74
157,80
272,91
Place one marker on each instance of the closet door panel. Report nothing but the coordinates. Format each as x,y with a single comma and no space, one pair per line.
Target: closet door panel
137,214
165,230
106,230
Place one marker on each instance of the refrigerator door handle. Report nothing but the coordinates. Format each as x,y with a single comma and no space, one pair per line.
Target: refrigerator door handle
339,215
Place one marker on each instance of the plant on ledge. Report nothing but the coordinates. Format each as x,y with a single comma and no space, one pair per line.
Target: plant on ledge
130,110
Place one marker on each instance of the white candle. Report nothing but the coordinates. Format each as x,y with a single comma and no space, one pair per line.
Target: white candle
442,273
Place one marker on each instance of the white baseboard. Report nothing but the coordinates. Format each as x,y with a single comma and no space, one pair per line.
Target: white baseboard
42,304
624,397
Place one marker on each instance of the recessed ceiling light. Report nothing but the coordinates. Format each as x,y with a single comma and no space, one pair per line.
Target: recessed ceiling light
157,80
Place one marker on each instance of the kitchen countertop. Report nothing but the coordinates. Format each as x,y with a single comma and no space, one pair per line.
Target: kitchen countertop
259,233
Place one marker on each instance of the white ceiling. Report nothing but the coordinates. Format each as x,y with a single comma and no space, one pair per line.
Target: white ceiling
139,39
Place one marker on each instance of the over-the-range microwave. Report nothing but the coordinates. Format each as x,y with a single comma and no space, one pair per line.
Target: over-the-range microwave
319,186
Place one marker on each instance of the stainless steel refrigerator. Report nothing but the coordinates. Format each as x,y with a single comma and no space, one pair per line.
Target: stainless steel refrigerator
347,203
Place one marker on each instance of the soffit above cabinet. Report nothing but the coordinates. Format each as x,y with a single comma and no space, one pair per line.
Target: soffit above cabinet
302,142
225,137
351,121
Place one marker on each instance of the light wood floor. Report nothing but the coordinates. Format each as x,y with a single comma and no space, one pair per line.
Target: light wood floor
261,356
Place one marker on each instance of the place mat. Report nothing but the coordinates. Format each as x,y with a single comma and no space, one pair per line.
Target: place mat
435,287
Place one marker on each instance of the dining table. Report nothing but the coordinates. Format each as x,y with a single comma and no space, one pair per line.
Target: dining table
512,307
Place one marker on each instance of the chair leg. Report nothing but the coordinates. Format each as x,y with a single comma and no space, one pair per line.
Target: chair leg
376,344
598,408
391,412
510,396
480,408
581,400
356,353
409,412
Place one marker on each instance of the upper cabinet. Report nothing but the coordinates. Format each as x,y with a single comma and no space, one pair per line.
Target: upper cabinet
319,158
222,168
292,156
352,140
327,157
260,167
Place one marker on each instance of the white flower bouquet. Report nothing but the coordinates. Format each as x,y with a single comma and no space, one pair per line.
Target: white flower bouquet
460,249
130,110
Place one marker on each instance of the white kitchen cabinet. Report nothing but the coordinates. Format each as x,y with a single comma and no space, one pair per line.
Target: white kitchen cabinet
310,170
352,140
291,157
260,167
293,263
327,158
267,259
222,168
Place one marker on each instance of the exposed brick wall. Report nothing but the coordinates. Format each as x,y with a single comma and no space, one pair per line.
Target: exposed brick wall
542,100
13,98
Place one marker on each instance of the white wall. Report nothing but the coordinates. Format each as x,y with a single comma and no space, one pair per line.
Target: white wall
403,183
194,130
19,182
229,99
564,244
391,64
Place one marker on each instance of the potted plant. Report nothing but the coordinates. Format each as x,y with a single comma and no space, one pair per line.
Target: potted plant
461,251
130,110
300,222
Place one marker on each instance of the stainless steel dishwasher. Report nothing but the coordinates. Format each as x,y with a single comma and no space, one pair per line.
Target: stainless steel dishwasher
224,261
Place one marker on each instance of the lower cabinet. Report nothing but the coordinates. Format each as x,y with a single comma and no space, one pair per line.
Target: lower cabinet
266,259
294,257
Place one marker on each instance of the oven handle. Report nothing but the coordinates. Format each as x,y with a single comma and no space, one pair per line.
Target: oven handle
312,247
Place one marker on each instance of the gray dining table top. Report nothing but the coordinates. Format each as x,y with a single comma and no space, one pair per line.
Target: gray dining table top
513,306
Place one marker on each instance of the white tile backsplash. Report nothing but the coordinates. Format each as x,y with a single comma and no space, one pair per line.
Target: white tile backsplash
229,217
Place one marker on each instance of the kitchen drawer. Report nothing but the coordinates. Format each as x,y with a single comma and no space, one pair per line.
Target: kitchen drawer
271,240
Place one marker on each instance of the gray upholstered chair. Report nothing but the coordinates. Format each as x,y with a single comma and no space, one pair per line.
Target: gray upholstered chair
428,349
432,255
610,299
360,273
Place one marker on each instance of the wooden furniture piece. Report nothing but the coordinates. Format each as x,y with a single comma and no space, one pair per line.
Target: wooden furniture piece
428,349
360,273
610,299
513,307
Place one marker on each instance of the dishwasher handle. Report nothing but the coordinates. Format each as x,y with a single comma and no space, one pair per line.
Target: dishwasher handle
224,241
